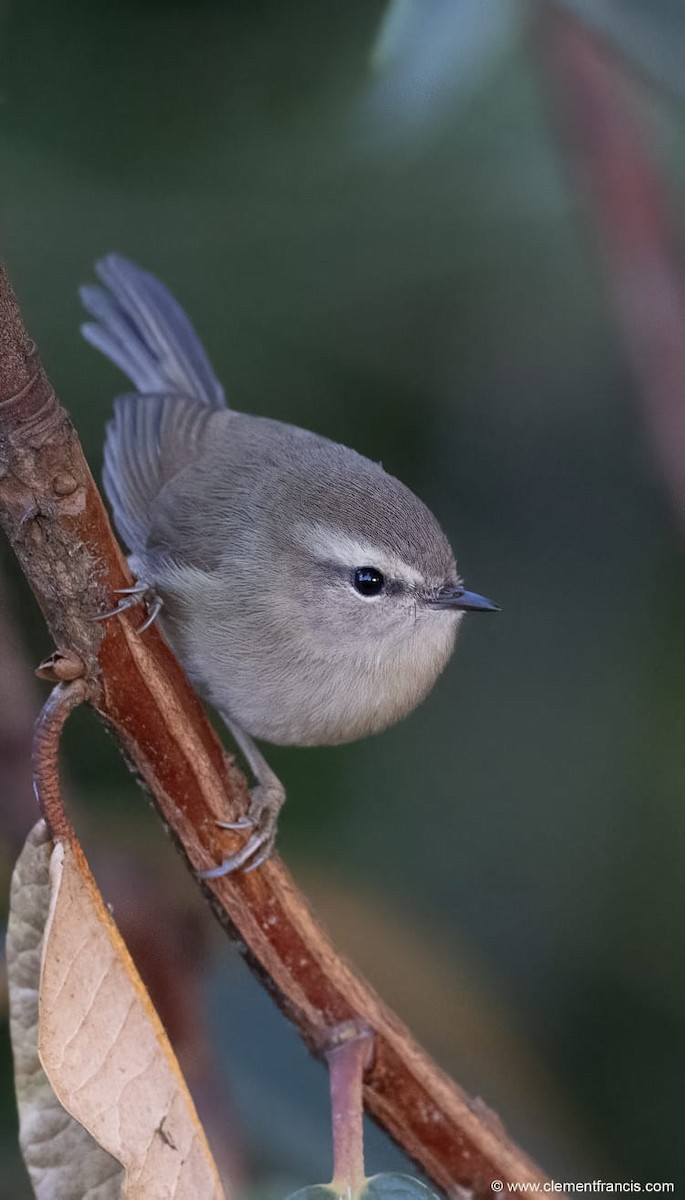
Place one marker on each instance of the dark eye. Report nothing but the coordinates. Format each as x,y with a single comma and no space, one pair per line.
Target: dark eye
368,581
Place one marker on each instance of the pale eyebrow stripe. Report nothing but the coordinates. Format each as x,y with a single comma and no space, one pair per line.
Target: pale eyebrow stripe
339,547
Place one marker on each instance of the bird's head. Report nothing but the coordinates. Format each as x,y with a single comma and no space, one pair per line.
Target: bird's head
373,586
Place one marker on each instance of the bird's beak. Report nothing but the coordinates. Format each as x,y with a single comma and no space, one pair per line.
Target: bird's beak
450,596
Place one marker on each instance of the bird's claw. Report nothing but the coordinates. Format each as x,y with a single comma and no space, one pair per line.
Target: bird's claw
262,818
243,823
256,850
131,596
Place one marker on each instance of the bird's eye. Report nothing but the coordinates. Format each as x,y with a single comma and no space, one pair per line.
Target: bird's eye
368,581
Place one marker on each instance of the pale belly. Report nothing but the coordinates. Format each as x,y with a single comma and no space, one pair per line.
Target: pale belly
266,682
320,703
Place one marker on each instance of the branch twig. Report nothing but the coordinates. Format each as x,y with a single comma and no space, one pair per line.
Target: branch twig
349,1055
56,522
62,701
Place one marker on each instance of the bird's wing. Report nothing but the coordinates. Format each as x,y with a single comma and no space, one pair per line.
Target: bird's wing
149,441
144,331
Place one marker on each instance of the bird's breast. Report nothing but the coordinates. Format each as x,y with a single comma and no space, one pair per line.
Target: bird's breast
282,688
356,691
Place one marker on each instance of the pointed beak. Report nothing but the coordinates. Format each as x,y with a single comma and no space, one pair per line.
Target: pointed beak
455,597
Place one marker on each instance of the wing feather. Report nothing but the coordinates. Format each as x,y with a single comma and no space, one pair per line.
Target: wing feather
148,442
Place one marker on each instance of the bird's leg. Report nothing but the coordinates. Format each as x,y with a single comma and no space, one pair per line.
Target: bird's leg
266,800
139,593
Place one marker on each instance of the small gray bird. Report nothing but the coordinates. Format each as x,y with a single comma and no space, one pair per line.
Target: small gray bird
311,597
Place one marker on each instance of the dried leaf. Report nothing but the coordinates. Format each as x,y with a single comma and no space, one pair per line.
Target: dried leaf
62,1158
104,1050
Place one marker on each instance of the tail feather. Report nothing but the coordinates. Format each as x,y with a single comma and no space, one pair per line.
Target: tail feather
145,332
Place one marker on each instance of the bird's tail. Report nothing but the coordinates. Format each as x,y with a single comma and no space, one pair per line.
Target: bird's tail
144,331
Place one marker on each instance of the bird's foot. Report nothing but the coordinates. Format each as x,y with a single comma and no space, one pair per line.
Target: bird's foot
266,801
138,594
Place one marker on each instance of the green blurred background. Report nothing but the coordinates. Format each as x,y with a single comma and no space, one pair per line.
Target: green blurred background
369,217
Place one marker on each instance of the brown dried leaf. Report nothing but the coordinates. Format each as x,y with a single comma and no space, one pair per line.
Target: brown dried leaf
105,1052
62,1158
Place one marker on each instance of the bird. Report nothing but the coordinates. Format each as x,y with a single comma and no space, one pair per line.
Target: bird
311,597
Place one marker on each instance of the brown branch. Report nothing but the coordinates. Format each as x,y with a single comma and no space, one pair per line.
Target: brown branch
349,1055
56,522
61,702
627,201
